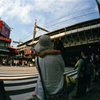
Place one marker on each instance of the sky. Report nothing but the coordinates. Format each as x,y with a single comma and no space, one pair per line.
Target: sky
20,15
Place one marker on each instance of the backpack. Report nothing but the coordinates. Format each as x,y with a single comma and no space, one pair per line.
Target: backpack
87,69
71,83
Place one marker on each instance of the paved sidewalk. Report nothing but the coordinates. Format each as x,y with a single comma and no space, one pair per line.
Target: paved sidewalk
93,94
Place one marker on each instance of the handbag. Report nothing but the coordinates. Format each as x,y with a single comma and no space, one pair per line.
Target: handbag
62,95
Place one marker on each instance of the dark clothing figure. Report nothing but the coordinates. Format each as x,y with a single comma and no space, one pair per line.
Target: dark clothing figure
95,63
58,45
81,87
81,78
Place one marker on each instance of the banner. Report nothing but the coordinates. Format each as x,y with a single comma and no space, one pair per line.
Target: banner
25,52
5,39
29,51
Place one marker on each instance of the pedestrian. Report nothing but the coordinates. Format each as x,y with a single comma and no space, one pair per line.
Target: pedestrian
3,62
81,79
52,69
98,65
22,63
88,78
49,52
10,62
58,49
95,63
14,62
76,65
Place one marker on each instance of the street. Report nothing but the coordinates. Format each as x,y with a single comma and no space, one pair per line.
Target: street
20,82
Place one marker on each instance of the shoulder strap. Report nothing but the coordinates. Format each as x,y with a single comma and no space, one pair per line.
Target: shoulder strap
41,77
83,59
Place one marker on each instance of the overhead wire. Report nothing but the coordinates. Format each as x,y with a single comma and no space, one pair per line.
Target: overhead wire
71,19
71,14
65,20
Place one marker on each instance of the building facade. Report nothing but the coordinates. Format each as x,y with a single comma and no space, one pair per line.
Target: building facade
5,41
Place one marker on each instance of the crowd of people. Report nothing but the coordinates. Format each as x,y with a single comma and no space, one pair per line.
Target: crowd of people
84,81
16,62
51,60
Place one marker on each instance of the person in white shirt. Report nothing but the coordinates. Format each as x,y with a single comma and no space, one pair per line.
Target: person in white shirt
52,69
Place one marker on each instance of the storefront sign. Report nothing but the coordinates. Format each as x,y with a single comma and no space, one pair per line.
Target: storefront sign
29,51
1,23
5,30
5,39
25,52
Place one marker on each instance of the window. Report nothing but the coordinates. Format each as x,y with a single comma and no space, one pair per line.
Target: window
83,39
66,42
77,40
71,41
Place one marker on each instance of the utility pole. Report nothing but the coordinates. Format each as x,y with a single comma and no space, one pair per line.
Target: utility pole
17,42
35,26
42,28
98,4
34,32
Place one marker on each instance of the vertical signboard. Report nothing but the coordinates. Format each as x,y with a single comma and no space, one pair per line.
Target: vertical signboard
25,52
29,51
5,30
0,25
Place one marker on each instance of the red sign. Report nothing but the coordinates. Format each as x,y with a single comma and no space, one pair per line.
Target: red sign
5,39
1,23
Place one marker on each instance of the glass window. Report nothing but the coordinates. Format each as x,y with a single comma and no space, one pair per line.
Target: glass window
83,39
77,40
66,42
71,41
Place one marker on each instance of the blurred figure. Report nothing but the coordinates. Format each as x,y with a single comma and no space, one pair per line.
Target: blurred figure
10,62
76,65
81,79
98,65
95,63
22,63
88,78
58,45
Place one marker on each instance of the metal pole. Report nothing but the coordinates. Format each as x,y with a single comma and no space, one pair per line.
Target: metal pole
42,28
34,32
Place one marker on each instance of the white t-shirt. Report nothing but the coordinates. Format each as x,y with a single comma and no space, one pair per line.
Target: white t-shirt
52,69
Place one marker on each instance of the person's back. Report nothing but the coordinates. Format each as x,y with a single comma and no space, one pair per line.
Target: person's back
81,66
81,79
52,68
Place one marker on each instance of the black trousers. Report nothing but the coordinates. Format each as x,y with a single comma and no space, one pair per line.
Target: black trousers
81,86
